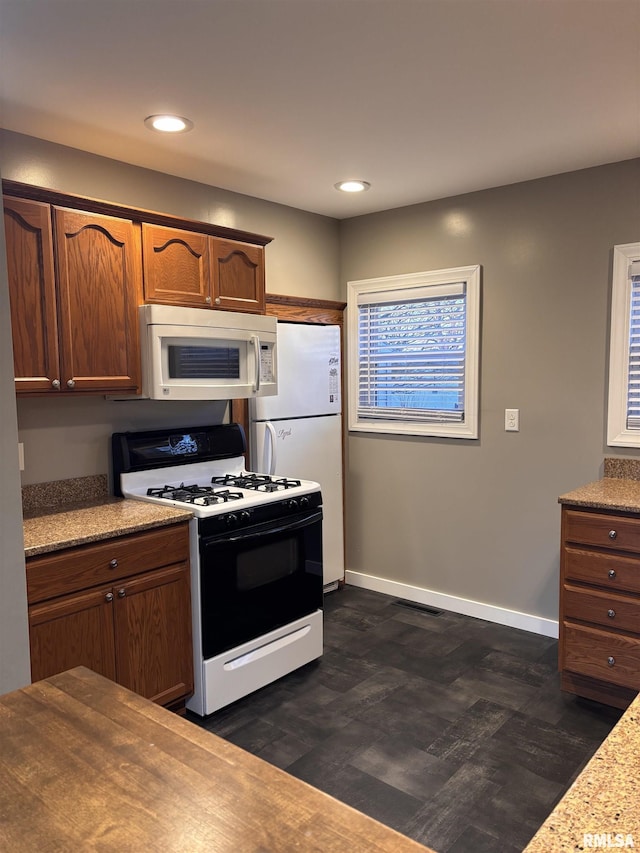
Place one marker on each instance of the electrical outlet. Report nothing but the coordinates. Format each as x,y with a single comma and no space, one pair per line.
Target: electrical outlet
512,420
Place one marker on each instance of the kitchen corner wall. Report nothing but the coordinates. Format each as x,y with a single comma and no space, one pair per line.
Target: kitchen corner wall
66,437
14,637
479,520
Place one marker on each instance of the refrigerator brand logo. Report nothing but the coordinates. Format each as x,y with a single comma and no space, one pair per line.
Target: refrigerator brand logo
334,360
284,433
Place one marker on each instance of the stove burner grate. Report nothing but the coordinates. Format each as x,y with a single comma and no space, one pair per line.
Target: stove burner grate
256,482
194,494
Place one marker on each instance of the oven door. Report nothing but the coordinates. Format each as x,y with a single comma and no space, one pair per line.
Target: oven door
259,578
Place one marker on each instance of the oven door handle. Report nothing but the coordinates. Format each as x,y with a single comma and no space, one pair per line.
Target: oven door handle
283,528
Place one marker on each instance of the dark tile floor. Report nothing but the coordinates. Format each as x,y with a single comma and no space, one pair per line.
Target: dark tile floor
450,729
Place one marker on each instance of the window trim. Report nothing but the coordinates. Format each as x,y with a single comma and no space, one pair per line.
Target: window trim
618,434
470,276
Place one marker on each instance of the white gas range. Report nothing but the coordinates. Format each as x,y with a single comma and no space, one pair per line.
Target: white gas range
256,555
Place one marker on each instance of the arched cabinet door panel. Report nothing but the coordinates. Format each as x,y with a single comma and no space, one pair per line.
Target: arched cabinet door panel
176,266
238,276
99,287
32,295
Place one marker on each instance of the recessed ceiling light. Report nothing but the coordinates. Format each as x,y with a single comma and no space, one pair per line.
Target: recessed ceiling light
352,186
168,124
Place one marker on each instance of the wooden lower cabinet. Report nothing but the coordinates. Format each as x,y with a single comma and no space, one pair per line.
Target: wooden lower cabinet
599,647
135,630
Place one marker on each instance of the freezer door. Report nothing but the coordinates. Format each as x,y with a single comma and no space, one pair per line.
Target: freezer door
308,373
310,449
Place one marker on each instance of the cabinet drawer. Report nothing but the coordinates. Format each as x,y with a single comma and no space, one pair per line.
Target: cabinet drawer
604,531
602,655
603,608
607,570
105,562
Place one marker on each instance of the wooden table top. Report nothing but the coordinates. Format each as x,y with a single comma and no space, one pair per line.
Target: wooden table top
87,765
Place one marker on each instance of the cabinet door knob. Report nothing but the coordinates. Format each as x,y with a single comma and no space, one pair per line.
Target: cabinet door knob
207,299
71,383
122,593
612,573
612,534
611,613
218,300
108,596
113,564
55,383
611,661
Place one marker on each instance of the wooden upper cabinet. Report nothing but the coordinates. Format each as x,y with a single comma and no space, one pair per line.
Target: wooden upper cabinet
197,270
176,266
238,275
99,288
32,294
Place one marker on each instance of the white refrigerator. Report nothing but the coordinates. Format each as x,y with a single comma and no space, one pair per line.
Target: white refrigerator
298,432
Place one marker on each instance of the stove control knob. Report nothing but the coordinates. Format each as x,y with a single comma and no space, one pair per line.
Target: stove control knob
304,501
245,516
293,504
231,519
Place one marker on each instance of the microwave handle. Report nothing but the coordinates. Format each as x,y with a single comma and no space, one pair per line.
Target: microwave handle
269,458
255,340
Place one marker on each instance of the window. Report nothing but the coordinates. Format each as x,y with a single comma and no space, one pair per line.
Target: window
623,428
413,345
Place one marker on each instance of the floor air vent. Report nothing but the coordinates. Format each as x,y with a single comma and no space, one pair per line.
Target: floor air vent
421,608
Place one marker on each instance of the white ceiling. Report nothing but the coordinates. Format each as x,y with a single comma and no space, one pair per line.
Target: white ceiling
423,98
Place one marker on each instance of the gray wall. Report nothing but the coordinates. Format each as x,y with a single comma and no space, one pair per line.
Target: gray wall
302,260
14,639
480,520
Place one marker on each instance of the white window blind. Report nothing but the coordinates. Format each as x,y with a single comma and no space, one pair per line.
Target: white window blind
411,355
633,373
623,415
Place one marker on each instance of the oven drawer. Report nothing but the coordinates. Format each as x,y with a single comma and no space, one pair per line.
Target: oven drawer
603,608
608,570
603,655
604,531
84,566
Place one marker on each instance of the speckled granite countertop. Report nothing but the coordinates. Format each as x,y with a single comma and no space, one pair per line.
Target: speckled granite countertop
608,493
603,800
619,489
53,521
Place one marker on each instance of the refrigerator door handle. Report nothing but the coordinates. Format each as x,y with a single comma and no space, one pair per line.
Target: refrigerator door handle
269,459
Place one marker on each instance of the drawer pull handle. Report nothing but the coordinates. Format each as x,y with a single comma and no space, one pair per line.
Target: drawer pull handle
122,593
113,564
613,534
611,613
612,573
108,596
611,661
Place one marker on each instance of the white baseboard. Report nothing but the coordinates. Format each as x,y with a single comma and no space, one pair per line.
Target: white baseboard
489,612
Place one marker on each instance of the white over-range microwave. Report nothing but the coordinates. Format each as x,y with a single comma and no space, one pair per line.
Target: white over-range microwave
204,354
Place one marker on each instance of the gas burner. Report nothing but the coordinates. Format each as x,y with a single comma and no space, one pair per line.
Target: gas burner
194,494
212,497
256,482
